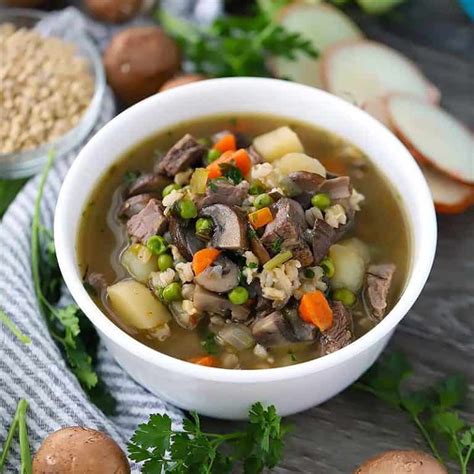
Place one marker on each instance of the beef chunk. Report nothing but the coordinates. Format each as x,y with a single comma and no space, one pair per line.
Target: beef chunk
133,205
341,333
377,286
95,283
259,250
185,153
148,222
288,228
147,183
322,237
304,185
337,188
272,330
222,191
302,331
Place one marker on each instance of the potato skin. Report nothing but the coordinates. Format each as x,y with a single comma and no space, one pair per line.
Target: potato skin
139,60
401,462
113,11
182,80
77,450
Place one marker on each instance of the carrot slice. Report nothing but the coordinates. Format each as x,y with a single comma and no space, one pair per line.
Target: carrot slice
203,258
207,361
240,158
226,143
314,309
260,218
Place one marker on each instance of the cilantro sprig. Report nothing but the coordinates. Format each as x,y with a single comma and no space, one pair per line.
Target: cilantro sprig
68,325
236,45
433,410
162,449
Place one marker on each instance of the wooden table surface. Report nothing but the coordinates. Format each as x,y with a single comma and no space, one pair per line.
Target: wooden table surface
438,333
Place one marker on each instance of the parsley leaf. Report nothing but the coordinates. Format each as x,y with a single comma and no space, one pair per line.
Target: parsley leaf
161,449
431,409
276,245
210,345
130,177
236,45
69,327
231,172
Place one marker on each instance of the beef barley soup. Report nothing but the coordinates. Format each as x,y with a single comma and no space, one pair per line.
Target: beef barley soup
244,242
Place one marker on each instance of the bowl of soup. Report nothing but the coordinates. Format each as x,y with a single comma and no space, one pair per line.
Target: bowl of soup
241,240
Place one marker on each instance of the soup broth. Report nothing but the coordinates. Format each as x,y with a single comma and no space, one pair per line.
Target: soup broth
380,225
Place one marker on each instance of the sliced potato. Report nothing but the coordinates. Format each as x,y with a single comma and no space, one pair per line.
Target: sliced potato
292,162
277,143
349,268
139,262
360,247
136,306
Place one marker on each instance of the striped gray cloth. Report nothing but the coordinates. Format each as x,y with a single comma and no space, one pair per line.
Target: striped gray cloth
37,372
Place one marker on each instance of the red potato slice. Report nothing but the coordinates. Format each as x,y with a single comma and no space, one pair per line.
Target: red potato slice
377,107
449,196
433,136
360,71
323,25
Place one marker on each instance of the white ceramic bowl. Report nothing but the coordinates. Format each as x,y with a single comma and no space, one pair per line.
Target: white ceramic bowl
229,393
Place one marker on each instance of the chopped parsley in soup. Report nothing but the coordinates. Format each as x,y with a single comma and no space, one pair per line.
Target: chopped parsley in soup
244,243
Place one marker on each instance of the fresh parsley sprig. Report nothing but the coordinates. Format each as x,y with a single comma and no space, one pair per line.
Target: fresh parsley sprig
68,325
236,45
162,449
433,410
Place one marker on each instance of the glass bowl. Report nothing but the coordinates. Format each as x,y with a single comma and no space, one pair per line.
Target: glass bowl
28,162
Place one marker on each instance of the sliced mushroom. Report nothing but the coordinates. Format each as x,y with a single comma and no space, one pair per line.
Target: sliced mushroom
220,277
211,303
273,330
134,204
259,250
148,183
184,238
337,188
230,228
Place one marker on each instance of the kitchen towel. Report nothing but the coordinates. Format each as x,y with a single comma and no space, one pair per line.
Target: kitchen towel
37,372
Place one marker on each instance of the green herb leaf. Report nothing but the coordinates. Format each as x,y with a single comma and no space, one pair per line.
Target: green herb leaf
276,245
161,449
8,191
236,45
68,326
231,172
210,345
130,177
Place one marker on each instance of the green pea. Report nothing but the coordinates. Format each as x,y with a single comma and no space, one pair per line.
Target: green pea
321,200
204,227
172,292
262,200
165,261
239,295
212,155
187,209
157,244
256,187
345,296
328,267
168,189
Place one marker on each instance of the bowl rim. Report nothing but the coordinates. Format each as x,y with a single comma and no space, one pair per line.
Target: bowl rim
422,257
26,162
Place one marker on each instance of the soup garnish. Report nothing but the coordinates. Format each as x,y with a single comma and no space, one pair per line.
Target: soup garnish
242,249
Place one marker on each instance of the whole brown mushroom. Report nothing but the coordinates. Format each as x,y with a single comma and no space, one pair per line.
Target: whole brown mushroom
113,11
401,462
139,60
182,80
22,3
77,450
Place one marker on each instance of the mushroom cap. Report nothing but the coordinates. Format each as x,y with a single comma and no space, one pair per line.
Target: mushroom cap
114,11
139,60
77,450
401,462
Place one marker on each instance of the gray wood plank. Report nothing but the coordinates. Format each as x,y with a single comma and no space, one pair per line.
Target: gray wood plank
438,333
